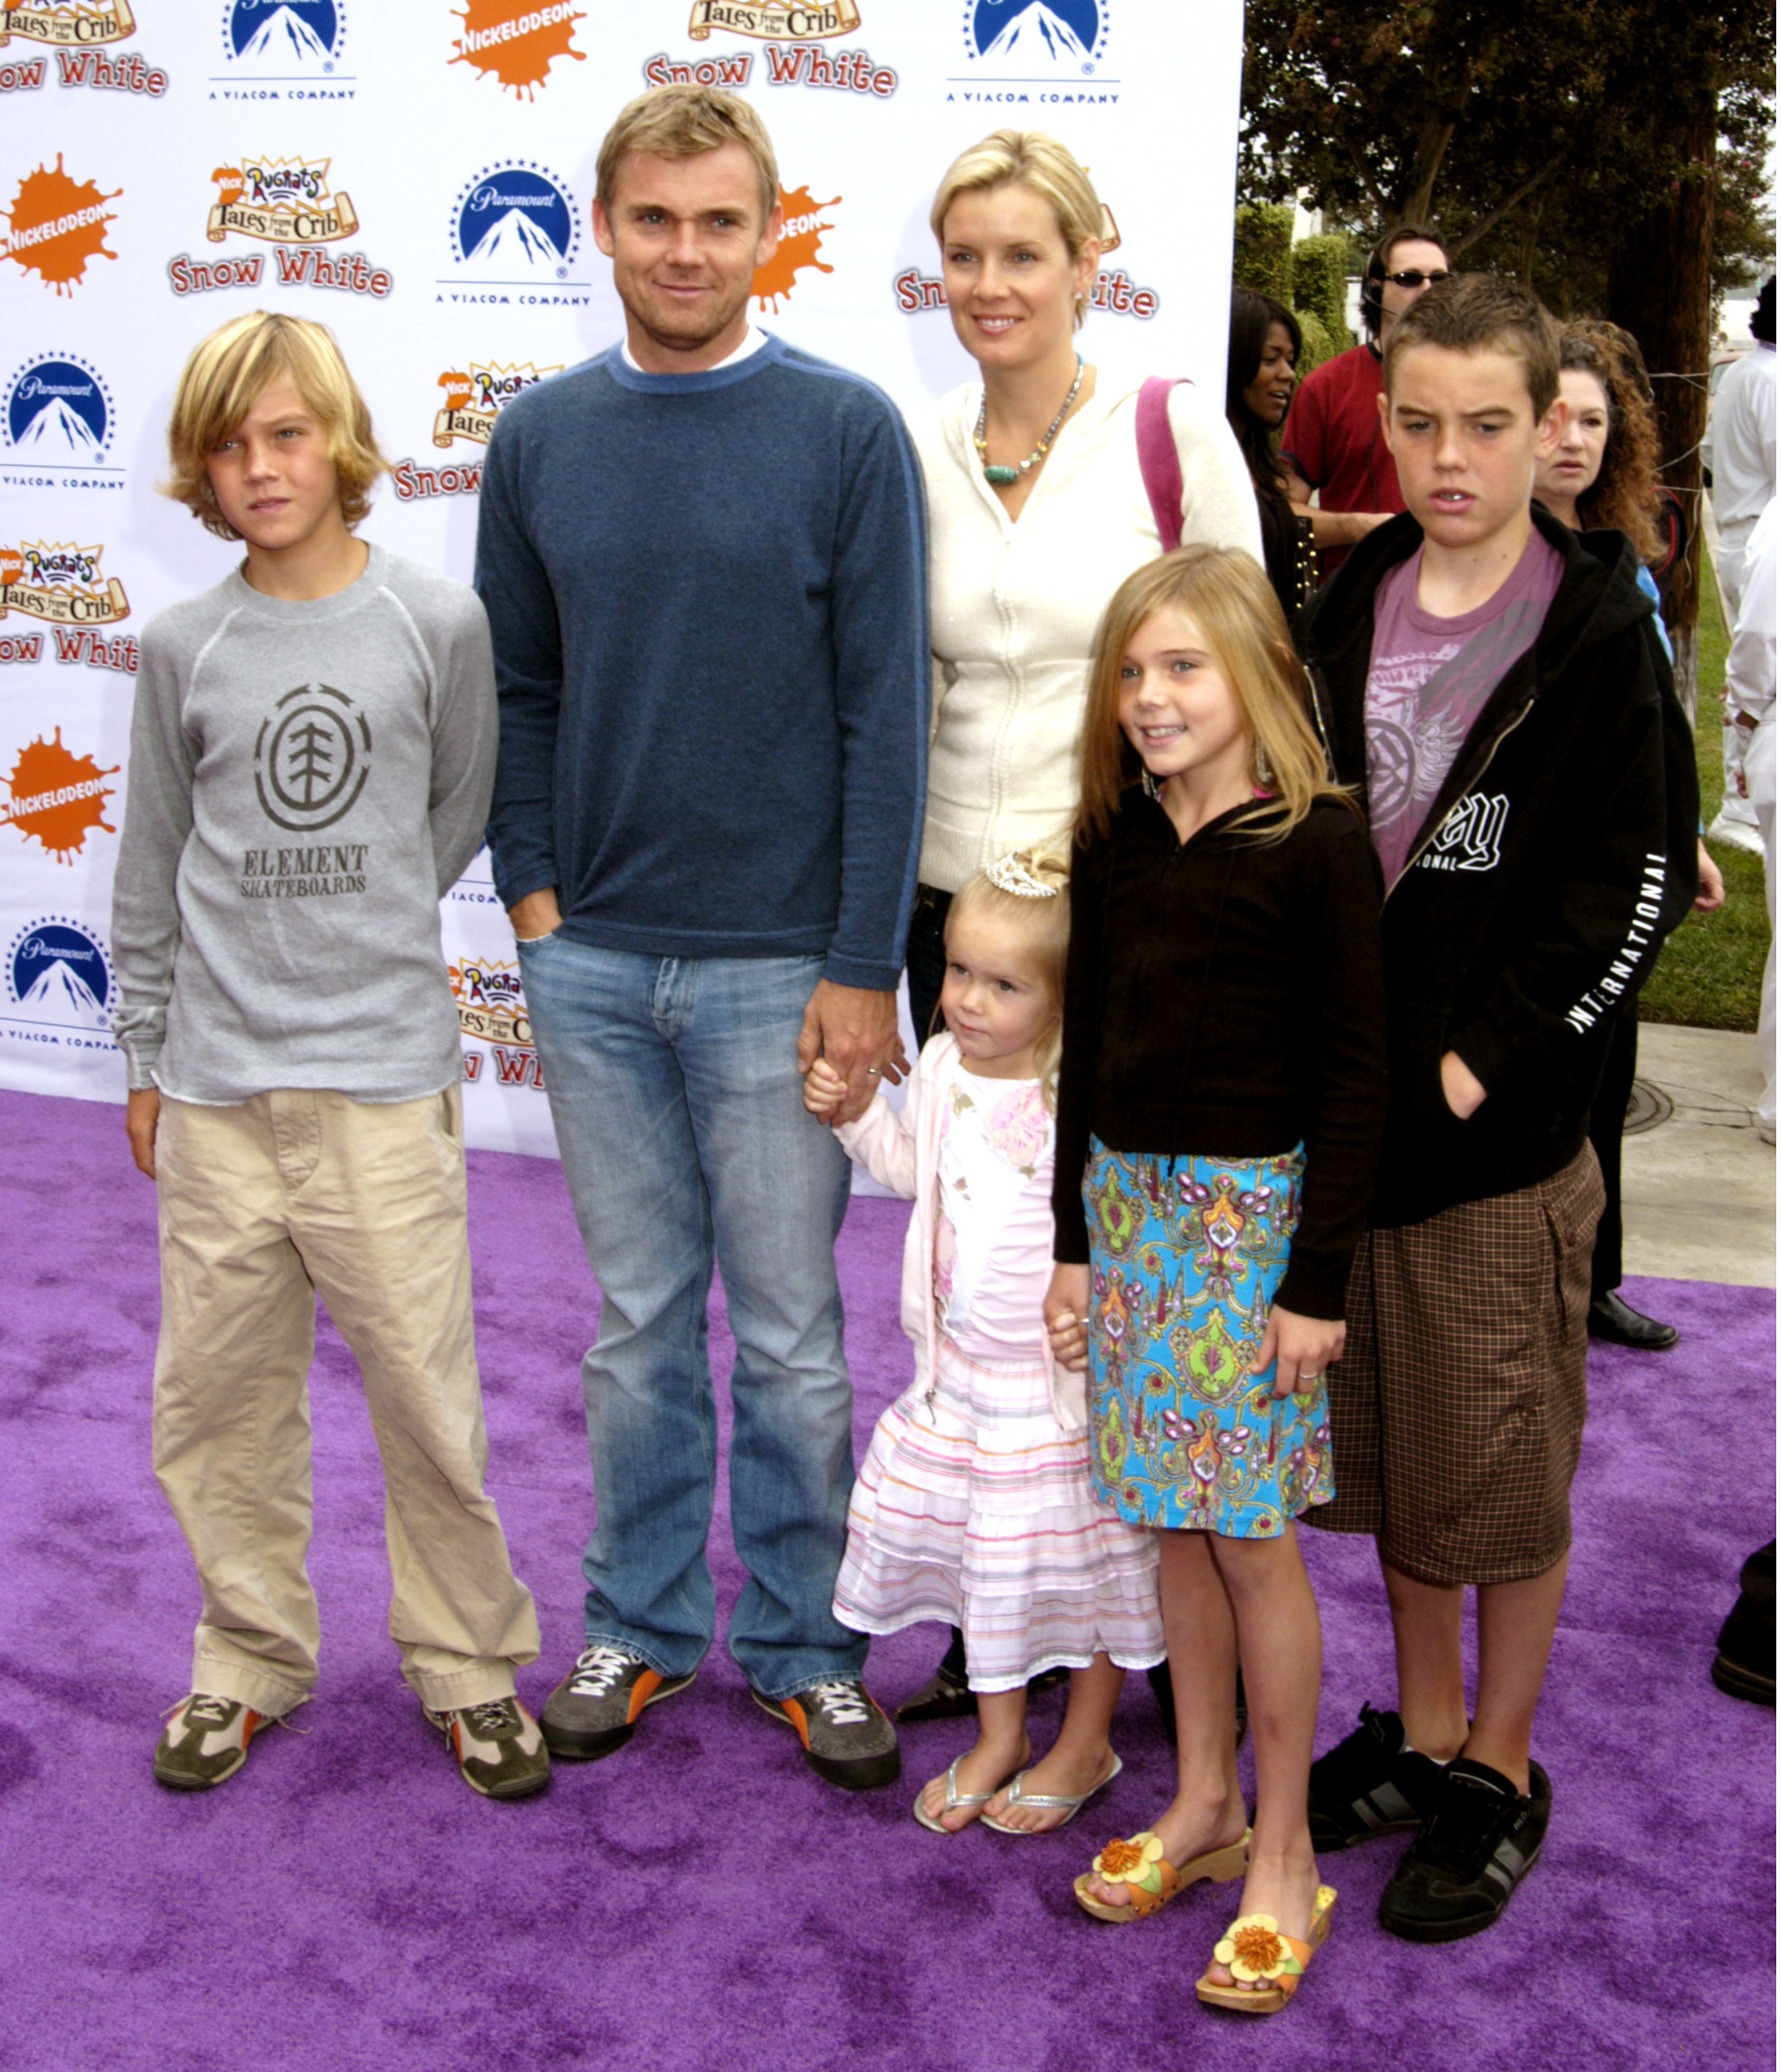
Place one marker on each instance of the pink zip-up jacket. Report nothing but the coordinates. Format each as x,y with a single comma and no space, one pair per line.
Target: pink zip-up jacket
901,1150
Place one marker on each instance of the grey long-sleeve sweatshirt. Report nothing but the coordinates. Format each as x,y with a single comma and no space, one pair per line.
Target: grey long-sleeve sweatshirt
306,781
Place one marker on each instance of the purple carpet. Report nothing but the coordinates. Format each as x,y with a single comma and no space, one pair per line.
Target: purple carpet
700,1899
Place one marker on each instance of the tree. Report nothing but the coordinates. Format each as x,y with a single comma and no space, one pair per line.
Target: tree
1607,151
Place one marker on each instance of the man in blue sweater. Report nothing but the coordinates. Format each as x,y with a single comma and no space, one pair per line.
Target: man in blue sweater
703,556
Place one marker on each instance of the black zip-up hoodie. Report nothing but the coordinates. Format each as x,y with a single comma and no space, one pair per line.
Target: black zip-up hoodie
1555,858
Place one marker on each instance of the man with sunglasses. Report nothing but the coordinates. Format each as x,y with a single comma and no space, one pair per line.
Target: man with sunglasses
1332,442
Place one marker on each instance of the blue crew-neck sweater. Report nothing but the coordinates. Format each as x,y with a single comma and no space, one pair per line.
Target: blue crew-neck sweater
708,596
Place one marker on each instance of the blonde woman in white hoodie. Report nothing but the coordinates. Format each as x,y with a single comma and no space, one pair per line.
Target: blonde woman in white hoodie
974,1504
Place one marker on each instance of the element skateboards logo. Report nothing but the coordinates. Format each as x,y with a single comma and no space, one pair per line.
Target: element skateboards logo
312,759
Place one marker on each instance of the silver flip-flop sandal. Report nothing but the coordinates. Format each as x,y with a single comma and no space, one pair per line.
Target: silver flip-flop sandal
1045,1799
955,1799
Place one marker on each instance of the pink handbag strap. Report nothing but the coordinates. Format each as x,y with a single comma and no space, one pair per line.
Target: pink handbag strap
1158,461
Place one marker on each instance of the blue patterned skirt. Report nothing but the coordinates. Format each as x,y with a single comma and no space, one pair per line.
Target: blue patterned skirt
1185,1255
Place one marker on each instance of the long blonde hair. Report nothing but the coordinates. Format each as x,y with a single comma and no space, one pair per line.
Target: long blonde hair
1042,918
1238,616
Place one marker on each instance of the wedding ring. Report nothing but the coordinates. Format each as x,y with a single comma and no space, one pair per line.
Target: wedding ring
871,1071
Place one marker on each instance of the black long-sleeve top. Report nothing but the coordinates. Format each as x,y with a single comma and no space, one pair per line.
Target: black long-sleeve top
1226,995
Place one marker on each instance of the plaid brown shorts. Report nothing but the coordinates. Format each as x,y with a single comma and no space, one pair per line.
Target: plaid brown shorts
1457,1409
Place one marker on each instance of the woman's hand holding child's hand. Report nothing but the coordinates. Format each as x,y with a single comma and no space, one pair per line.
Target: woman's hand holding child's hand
824,1089
1066,1316
1304,1347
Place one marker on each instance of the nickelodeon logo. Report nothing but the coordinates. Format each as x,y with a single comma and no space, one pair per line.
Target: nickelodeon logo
57,226
58,798
799,248
474,399
517,41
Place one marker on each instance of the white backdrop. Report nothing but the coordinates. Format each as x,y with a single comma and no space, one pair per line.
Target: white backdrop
418,177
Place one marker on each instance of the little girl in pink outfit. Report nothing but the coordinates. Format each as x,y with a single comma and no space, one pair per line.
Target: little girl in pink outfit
973,1505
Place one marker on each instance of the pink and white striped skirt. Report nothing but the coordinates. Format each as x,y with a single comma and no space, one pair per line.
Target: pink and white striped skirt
977,1511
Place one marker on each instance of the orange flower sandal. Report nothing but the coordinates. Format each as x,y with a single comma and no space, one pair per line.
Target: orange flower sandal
1265,1966
1139,1864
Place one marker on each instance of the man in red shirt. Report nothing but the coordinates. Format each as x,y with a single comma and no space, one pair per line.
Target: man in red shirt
1332,442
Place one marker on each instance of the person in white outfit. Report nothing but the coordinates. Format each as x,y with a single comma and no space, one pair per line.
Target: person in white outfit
1743,482
1749,696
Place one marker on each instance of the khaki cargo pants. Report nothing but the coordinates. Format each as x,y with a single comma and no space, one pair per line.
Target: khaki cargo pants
261,1206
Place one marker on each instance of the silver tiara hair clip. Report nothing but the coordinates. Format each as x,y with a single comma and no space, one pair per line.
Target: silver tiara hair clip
1010,874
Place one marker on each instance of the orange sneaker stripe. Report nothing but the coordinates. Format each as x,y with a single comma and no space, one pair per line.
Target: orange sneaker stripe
641,1694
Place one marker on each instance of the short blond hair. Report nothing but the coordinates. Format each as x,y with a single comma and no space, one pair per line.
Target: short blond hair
685,122
1028,158
1043,922
226,376
1233,607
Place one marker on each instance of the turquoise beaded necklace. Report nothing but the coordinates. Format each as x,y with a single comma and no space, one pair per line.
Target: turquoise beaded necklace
1000,477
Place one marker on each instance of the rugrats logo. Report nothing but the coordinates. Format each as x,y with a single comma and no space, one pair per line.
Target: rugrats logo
778,21
514,235
787,64
799,244
57,421
287,203
517,40
57,798
56,226
491,1008
283,49
69,27
1115,294
58,976
282,201
61,584
475,399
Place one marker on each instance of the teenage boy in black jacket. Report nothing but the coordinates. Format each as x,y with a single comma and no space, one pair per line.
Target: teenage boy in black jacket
1493,685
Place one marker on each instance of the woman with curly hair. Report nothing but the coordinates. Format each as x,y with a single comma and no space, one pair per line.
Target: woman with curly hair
1602,477
1259,374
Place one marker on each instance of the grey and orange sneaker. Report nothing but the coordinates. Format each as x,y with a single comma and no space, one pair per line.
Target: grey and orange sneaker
848,1738
204,1742
596,1707
498,1745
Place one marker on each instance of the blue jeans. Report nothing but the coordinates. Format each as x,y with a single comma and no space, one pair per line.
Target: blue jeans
679,1111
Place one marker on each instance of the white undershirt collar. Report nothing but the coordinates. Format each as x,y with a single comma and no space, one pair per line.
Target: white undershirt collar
752,343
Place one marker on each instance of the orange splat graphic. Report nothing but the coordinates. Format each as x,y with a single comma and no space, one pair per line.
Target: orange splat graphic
229,184
518,61
797,249
72,214
12,566
58,798
458,389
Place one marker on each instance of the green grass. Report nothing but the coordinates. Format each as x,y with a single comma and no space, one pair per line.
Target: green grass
1710,973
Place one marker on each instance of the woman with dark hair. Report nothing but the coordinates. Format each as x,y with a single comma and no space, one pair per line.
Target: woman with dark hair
1265,343
1602,477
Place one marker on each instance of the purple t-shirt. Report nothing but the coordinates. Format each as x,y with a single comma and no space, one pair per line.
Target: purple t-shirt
1429,679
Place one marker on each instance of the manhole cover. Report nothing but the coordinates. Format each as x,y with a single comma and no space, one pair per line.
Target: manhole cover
1648,1108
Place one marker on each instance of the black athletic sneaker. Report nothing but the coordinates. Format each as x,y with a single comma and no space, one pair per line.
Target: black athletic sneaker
847,1738
1371,1784
1482,1839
